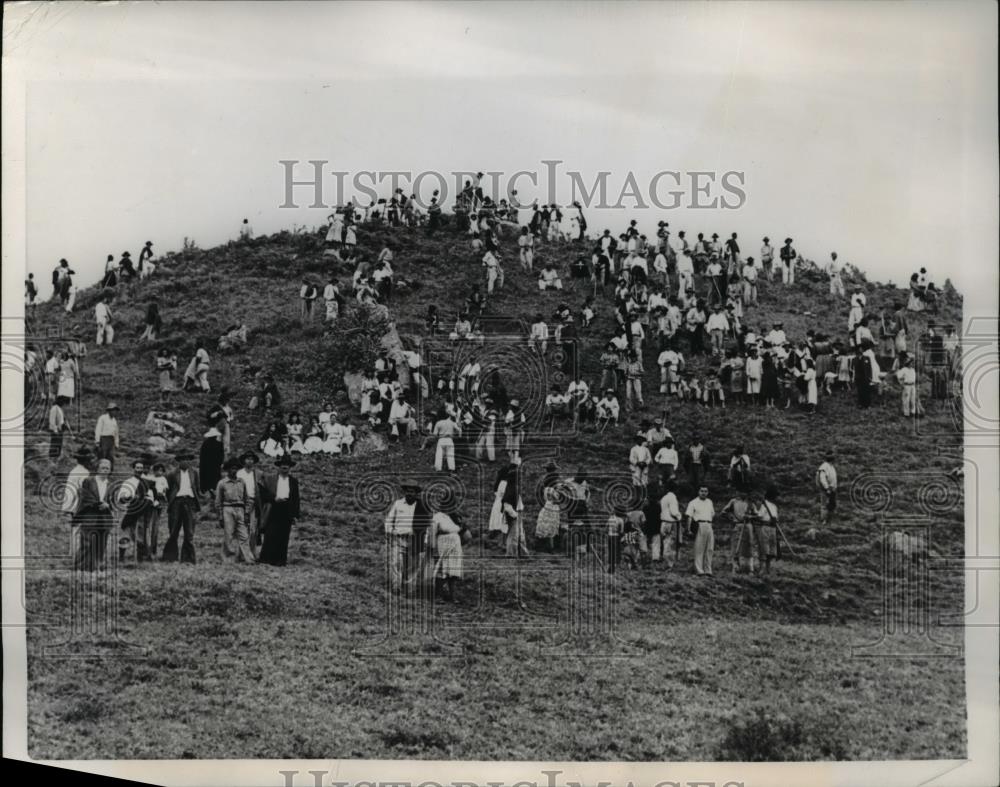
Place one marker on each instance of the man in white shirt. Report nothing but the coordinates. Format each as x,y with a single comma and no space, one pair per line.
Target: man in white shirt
718,327
907,377
701,512
549,278
776,337
401,414
754,371
767,258
71,489
251,477
671,534
666,460
445,430
836,283
685,271
826,480
639,460
671,363
102,314
538,338
750,283
492,265
608,409
106,435
405,527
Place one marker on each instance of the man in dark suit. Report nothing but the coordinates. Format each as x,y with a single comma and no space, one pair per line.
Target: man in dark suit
182,507
94,519
280,495
139,500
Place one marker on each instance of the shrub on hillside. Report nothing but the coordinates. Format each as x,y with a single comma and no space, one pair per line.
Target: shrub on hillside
771,737
351,345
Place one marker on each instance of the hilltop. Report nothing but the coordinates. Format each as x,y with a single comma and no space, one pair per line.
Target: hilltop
263,641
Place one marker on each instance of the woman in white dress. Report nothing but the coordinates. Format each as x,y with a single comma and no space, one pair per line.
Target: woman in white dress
294,431
272,444
68,372
505,517
369,386
334,434
444,551
313,444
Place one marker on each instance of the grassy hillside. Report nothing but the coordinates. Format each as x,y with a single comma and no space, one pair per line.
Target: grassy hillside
265,662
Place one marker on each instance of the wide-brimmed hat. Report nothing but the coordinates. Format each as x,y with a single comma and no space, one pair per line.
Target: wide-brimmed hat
184,456
410,486
232,464
111,406
788,240
285,461
84,454
249,455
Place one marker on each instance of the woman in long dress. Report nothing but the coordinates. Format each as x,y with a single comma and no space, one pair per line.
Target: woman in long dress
68,372
294,431
314,440
369,386
547,524
444,550
210,457
166,365
272,443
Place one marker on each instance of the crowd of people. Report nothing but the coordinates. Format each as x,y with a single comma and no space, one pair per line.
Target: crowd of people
689,312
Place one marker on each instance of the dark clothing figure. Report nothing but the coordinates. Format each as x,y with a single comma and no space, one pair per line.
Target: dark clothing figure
279,514
181,512
210,461
94,520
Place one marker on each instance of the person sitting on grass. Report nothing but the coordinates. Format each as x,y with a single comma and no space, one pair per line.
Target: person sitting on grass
549,279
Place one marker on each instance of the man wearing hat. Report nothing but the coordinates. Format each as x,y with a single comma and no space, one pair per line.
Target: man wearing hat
138,499
182,507
280,494
767,257
252,479
656,435
93,519
405,528
639,460
106,433
788,255
231,501
71,489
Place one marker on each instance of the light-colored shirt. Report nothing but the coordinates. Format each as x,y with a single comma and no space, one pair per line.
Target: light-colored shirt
231,492
667,456
670,511
71,491
639,453
399,521
184,484
446,427
827,476
249,479
107,426
102,312
700,510
282,488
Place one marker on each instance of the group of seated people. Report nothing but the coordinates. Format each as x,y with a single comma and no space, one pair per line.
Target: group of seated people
328,433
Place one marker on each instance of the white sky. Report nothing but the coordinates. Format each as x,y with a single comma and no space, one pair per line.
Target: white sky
868,128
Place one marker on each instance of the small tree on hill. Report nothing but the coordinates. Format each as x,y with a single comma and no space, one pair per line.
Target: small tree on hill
351,344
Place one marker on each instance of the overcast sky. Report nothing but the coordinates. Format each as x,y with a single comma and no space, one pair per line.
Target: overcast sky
865,128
